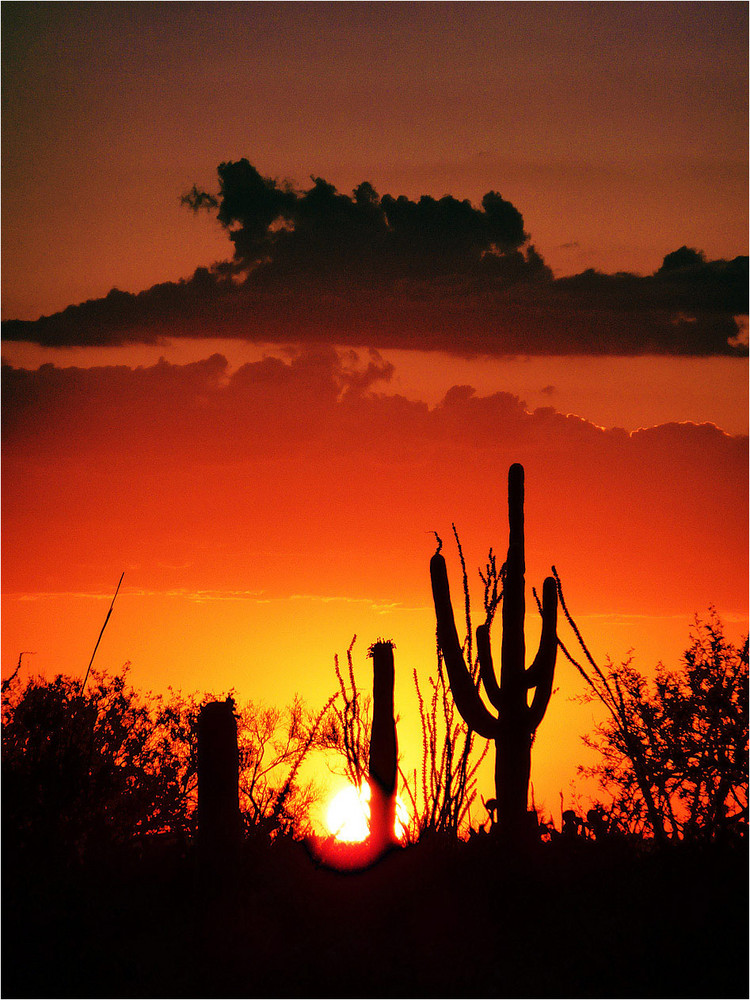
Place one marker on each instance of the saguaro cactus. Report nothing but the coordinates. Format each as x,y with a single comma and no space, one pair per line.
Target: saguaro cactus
383,748
515,725
219,822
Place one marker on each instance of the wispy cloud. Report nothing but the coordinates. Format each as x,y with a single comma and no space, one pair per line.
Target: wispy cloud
380,607
180,593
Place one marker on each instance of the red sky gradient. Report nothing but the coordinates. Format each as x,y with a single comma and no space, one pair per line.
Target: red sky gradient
263,517
268,501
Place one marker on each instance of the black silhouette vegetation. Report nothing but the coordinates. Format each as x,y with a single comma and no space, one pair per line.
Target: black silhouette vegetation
383,759
104,890
515,725
219,820
672,753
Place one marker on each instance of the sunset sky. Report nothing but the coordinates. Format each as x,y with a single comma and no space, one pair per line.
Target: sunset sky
268,419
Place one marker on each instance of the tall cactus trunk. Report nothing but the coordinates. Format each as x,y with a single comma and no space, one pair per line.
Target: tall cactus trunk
516,722
513,759
219,820
512,775
383,749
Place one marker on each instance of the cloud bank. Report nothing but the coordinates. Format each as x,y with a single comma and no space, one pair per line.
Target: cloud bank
304,478
315,265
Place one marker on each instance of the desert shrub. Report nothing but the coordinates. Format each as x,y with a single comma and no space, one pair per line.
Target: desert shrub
93,768
85,770
674,750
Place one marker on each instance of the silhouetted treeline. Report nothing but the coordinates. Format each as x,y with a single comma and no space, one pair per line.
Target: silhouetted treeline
86,771
104,893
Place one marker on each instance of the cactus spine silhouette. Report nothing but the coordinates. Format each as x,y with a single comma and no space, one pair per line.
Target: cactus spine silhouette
383,748
515,725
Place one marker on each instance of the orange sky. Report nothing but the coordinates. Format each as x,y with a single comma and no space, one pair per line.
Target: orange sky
265,515
268,501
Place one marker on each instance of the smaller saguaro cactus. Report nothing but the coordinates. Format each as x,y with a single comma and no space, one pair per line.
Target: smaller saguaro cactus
516,722
219,821
383,748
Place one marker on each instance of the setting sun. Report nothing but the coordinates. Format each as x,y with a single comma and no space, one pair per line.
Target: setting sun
348,815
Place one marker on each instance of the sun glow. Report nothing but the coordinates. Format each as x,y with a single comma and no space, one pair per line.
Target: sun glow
348,815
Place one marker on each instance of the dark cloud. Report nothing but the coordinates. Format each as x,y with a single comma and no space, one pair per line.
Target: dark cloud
282,234
318,265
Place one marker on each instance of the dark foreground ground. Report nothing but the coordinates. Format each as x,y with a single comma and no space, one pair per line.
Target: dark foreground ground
576,920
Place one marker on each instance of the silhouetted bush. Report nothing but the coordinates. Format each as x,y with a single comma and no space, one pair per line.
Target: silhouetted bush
82,772
674,753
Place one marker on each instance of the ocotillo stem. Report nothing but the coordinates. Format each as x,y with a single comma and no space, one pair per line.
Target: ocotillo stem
83,685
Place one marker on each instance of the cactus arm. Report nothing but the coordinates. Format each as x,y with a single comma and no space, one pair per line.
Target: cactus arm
465,695
542,670
548,640
486,668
